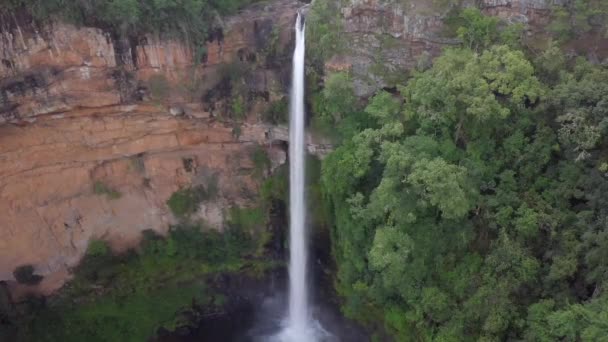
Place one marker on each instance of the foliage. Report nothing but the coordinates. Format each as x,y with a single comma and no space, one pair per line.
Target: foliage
100,188
339,88
188,19
244,223
261,161
138,292
332,103
98,248
238,107
469,206
578,17
233,88
277,113
478,31
186,201
276,186
322,30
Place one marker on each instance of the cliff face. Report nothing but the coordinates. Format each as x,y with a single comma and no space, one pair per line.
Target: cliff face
389,38
97,131
88,151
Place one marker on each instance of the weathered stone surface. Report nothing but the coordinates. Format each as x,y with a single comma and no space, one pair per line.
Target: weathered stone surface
49,168
60,68
80,114
533,13
386,39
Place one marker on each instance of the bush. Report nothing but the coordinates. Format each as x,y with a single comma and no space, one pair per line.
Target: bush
185,201
116,297
238,107
99,188
322,26
277,113
276,187
478,31
243,223
25,275
98,248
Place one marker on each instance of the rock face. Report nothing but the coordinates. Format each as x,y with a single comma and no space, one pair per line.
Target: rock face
97,132
532,13
389,38
88,152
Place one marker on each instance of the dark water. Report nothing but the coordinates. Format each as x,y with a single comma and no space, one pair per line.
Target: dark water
257,308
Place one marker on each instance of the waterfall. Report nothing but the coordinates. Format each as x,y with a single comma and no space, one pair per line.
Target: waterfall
300,326
298,292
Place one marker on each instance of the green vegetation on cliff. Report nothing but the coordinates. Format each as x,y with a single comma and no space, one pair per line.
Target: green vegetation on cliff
188,19
128,297
470,204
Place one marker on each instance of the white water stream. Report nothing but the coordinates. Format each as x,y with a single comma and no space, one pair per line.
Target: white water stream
298,293
299,325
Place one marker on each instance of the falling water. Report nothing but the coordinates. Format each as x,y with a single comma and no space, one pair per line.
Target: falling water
300,325
298,296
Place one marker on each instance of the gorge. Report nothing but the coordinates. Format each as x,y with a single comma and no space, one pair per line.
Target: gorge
454,170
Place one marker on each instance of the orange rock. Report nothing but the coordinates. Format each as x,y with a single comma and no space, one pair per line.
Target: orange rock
74,99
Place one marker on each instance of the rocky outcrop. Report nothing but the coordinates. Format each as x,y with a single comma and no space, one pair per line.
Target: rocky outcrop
52,168
535,14
97,130
88,150
387,39
60,67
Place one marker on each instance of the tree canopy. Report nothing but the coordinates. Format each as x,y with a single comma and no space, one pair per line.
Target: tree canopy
469,204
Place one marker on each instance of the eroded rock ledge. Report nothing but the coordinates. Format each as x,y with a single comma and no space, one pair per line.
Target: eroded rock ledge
87,152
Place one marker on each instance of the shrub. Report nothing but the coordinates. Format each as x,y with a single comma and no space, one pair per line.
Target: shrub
243,223
276,186
478,31
185,201
238,107
98,248
323,28
25,275
116,297
99,188
277,113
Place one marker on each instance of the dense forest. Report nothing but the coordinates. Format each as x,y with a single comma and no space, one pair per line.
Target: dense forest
469,202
